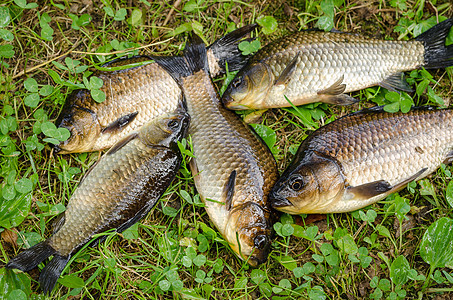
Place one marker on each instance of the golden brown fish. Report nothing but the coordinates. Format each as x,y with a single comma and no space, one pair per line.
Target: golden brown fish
134,96
117,192
362,158
316,66
233,169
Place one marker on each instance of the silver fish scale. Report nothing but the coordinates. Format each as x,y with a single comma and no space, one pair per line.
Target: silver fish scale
325,57
141,91
219,148
393,147
111,185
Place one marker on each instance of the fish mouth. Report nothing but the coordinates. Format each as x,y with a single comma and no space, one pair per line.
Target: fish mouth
65,147
229,103
261,250
278,201
57,149
256,260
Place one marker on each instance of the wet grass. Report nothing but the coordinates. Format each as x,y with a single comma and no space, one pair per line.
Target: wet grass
174,252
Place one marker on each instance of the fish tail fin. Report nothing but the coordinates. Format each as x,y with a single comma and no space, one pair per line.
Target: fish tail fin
437,55
30,258
194,59
50,274
195,55
226,49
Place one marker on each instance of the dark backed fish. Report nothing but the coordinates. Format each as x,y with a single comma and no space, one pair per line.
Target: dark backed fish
233,169
316,66
134,96
117,192
362,158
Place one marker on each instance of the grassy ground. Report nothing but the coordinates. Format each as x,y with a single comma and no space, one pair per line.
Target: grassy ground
173,252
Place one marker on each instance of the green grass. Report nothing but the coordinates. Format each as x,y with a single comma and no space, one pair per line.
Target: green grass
174,252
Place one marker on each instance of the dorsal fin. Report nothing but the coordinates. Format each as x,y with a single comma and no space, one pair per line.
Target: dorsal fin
229,190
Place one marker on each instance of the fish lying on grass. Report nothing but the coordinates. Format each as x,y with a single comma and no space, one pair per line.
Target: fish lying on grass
117,192
134,96
316,66
362,158
233,169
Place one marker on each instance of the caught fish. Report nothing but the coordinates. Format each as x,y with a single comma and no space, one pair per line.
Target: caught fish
233,169
362,158
117,192
316,66
134,96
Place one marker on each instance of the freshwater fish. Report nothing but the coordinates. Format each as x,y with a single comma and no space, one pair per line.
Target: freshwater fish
134,96
316,66
363,157
121,188
233,169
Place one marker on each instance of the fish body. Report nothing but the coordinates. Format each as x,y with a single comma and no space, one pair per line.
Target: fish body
134,96
361,158
118,191
233,169
316,66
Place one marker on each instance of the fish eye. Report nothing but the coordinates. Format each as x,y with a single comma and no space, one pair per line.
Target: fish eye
236,82
297,184
173,124
260,241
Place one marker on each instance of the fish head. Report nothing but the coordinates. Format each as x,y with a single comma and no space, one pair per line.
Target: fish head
293,193
249,232
166,130
312,187
250,88
84,126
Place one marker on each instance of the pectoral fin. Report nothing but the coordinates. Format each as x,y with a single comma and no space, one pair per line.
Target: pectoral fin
288,71
369,190
119,123
396,82
121,143
334,94
228,191
379,187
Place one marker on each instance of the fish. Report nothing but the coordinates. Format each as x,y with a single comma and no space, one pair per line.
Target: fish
362,158
134,96
121,188
316,66
233,168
